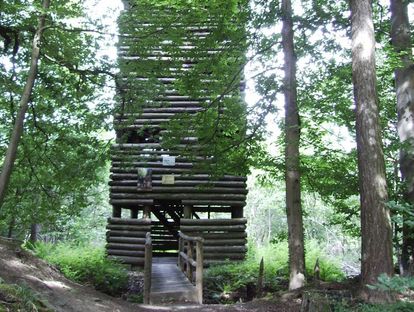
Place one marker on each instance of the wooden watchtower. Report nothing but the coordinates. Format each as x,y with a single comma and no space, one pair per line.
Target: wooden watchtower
165,189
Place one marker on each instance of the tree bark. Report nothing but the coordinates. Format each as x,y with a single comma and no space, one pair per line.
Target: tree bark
292,138
34,232
11,153
404,85
376,249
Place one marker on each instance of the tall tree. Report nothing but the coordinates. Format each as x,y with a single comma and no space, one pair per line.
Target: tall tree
404,84
292,138
376,249
24,104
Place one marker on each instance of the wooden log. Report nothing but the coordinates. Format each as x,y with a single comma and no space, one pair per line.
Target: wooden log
218,236
214,202
224,242
193,222
183,177
178,189
128,253
224,256
148,164
212,209
181,183
189,255
125,221
135,247
209,262
184,258
126,233
224,249
133,202
138,228
154,170
147,268
128,260
180,250
201,228
183,196
126,240
199,270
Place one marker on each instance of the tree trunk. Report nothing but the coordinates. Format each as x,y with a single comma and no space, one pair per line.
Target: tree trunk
404,85
34,232
292,137
376,249
24,102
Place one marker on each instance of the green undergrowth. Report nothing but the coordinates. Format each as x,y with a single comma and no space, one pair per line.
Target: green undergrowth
395,307
234,281
20,298
85,264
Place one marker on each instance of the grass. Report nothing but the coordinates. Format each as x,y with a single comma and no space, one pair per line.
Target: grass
85,264
20,298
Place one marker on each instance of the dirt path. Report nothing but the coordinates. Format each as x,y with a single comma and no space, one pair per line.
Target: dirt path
63,295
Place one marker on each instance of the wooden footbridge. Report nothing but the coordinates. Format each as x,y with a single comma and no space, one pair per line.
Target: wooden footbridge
170,215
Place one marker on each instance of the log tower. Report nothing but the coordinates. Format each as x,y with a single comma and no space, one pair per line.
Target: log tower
159,183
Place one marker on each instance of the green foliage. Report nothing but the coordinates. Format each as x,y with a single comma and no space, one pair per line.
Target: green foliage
62,154
20,298
395,284
86,264
232,276
400,306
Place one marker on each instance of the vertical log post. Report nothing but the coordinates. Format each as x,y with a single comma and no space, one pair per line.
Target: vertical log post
147,212
190,256
188,211
199,271
134,213
116,212
147,268
180,249
236,212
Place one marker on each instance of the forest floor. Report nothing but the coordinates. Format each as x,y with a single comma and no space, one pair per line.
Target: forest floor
20,267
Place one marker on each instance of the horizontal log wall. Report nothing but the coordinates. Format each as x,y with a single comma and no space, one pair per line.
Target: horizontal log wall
223,238
126,239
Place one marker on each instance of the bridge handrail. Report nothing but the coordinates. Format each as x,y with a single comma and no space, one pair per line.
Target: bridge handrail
147,268
187,262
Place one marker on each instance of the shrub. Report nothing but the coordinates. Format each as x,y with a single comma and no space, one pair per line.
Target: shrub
86,264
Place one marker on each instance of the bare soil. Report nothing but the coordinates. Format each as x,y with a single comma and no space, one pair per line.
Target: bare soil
21,267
